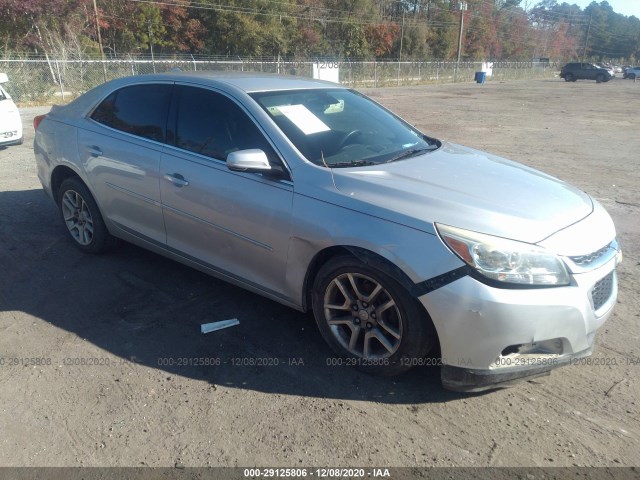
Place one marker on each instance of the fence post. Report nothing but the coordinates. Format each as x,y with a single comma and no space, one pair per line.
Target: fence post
398,72
60,80
375,74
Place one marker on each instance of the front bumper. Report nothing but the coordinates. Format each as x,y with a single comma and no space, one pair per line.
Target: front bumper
492,336
461,379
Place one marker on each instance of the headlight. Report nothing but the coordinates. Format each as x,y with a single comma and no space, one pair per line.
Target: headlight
505,260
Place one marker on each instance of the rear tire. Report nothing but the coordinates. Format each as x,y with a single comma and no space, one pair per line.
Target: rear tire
631,76
569,77
80,214
368,318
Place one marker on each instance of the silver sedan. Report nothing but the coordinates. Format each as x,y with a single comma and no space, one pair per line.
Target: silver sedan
632,73
317,197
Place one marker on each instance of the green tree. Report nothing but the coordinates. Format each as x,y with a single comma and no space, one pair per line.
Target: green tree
249,27
444,39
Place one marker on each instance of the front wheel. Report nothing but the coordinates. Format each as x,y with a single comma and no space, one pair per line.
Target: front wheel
369,318
600,79
631,76
82,217
568,77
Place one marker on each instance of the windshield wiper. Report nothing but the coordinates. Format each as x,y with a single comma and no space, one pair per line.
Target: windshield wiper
364,163
355,163
411,153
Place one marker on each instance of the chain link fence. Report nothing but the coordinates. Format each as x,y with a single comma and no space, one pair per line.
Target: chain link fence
50,80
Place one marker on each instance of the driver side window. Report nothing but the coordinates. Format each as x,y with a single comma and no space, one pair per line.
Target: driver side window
211,124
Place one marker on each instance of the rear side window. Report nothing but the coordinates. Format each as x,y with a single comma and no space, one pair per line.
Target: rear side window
139,110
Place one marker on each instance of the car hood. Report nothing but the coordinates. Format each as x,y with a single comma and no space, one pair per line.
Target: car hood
465,188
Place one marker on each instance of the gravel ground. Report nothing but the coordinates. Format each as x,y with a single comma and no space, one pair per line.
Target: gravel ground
135,317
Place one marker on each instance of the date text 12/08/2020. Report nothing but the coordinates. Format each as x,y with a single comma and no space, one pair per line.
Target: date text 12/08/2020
316,472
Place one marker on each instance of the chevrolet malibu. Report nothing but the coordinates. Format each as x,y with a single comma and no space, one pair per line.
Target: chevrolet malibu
315,196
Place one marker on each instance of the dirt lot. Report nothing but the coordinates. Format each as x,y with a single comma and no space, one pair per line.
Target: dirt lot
137,315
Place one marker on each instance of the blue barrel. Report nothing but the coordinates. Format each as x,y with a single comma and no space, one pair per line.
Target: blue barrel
480,77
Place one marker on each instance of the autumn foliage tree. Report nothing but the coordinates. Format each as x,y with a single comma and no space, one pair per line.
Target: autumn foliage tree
359,29
381,38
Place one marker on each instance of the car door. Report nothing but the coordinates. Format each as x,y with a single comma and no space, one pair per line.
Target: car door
120,144
237,223
589,71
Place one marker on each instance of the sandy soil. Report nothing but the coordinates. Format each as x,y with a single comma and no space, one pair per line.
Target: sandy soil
136,317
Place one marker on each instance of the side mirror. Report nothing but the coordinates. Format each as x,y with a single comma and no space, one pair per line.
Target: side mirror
4,78
252,161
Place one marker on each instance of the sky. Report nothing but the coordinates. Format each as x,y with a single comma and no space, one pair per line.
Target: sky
625,7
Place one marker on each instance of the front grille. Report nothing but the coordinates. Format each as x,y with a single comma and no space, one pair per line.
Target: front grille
586,260
601,291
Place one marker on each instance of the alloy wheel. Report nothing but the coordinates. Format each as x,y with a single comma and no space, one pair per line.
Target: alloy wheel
363,316
77,217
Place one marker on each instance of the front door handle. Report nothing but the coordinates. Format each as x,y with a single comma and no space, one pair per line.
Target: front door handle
177,179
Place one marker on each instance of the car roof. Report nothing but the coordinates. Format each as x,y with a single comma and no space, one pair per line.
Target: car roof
247,82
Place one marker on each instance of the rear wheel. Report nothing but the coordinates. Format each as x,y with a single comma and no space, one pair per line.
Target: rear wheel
369,318
600,78
631,76
569,77
81,216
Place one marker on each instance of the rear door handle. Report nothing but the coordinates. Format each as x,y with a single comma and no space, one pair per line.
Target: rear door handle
177,179
95,151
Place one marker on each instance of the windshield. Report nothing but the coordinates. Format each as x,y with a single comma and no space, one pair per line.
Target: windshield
341,128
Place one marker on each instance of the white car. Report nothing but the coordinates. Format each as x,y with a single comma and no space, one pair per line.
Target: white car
10,122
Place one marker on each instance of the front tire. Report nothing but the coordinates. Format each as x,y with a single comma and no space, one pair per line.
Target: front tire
600,79
81,216
367,317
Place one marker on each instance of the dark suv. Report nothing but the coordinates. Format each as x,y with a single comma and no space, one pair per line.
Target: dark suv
585,71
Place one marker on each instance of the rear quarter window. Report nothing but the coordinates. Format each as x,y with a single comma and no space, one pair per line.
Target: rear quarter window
140,110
